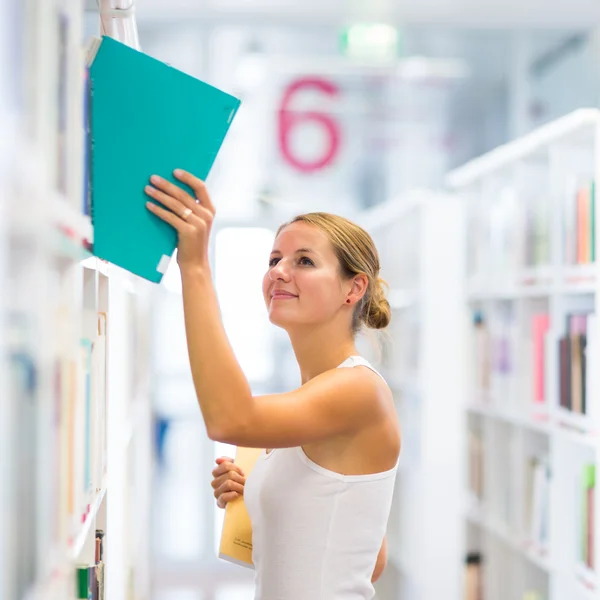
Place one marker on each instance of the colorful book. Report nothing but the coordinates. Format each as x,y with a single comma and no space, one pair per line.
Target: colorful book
540,326
587,523
146,118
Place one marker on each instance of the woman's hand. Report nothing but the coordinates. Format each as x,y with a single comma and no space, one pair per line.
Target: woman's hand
228,482
191,217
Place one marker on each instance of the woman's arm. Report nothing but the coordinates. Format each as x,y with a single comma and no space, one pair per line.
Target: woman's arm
336,402
381,561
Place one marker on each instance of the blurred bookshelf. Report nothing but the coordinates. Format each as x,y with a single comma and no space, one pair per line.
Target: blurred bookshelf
76,421
420,237
531,445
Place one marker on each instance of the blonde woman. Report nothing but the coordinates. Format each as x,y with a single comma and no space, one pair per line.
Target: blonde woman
319,497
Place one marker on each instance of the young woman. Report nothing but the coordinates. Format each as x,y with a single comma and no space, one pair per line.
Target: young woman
319,497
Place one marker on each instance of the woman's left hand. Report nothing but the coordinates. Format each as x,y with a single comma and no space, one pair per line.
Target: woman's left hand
191,217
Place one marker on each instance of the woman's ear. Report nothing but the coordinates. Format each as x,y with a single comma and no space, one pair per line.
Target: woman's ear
360,283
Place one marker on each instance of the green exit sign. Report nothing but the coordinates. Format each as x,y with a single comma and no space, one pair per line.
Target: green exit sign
374,41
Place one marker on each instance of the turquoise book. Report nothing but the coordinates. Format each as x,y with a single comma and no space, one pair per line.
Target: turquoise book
144,117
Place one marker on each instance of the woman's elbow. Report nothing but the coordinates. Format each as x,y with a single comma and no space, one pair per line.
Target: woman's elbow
228,432
222,434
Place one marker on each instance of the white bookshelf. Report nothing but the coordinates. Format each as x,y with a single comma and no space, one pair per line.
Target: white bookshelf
419,239
76,420
7,110
530,255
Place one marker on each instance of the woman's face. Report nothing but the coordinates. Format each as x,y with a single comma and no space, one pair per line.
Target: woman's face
303,285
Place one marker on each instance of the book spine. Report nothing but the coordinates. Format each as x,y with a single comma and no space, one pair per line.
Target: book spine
593,221
90,149
91,52
82,585
540,327
86,142
591,377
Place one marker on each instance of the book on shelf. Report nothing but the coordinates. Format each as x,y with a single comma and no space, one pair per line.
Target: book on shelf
89,578
481,339
579,223
474,576
588,493
87,145
99,358
578,349
62,102
540,324
537,499
145,118
495,352
236,536
78,428
537,231
476,462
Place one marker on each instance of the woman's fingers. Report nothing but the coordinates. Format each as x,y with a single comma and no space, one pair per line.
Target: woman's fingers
223,499
230,476
172,190
173,204
168,216
229,486
226,467
178,207
198,186
228,482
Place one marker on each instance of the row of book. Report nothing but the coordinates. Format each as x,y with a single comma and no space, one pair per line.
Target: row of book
510,233
513,231
537,491
79,446
474,580
513,367
538,476
579,223
66,425
89,578
577,350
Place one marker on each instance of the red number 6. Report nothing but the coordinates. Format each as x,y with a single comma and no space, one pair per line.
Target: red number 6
288,119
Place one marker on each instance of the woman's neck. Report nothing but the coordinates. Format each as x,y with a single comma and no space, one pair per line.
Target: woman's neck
319,349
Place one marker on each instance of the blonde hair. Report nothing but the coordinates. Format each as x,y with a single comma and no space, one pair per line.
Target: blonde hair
357,255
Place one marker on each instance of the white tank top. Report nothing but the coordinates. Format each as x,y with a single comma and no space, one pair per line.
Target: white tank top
316,534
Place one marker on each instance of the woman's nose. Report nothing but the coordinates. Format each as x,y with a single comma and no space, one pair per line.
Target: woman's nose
279,271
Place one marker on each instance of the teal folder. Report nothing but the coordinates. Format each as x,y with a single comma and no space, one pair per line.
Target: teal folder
145,118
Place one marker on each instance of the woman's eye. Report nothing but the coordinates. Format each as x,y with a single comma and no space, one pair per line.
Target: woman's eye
306,261
273,262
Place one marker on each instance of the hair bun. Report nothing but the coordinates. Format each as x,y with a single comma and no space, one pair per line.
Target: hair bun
378,312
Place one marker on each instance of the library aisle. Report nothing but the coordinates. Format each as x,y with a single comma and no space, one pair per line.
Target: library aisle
464,138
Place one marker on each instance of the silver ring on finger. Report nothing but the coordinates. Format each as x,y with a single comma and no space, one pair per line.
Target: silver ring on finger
186,214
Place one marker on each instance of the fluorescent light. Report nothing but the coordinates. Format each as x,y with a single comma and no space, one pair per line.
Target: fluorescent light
378,41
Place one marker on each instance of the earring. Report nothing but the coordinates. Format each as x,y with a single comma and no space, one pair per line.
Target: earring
348,301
